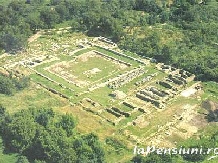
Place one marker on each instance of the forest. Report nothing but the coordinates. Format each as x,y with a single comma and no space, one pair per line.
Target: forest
44,136
196,21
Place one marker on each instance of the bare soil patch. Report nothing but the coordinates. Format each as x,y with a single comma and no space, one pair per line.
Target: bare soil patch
188,92
34,37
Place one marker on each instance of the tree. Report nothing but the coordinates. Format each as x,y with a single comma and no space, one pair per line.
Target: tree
20,133
18,7
130,4
75,26
43,140
49,17
152,158
2,117
148,6
62,11
21,83
34,21
2,111
22,159
90,19
55,2
67,123
39,161
203,143
10,41
6,85
164,17
97,152
152,19
43,116
164,56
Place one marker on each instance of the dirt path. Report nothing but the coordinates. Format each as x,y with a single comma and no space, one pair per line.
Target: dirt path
34,37
190,91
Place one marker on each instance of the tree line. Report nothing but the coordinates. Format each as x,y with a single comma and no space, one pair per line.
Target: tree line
197,21
45,136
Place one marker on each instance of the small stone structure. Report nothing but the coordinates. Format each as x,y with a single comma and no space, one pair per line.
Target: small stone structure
125,78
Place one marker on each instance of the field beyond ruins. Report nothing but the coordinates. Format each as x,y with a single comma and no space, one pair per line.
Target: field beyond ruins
113,93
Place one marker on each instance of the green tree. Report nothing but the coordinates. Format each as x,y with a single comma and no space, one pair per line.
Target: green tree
47,141
164,17
34,21
203,143
62,11
75,26
152,158
21,83
164,56
6,85
20,132
67,123
2,117
22,159
2,111
44,116
49,17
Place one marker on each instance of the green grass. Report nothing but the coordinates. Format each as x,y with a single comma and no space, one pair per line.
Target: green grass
124,108
121,155
52,85
82,51
100,95
109,116
131,54
78,69
160,86
33,96
129,119
58,79
130,87
95,62
36,96
6,158
63,25
210,90
134,63
66,57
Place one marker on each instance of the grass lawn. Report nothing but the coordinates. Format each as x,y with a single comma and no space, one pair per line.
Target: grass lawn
83,70
210,91
134,63
52,85
34,96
